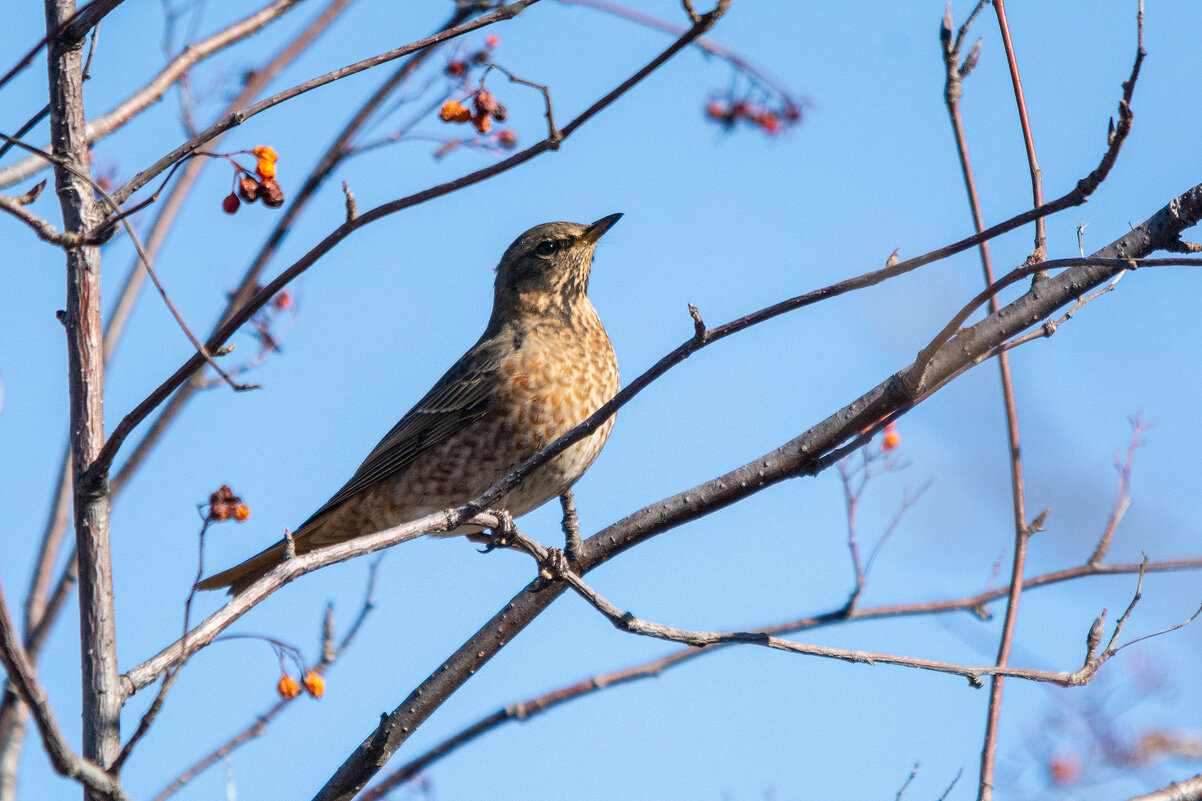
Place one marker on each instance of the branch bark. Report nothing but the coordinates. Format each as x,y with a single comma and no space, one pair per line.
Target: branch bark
102,695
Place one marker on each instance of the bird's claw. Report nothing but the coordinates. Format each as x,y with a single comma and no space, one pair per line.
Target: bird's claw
502,535
554,566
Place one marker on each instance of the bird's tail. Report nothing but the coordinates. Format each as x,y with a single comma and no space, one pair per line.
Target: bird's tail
239,577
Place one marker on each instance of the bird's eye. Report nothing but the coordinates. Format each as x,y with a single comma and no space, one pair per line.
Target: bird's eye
546,247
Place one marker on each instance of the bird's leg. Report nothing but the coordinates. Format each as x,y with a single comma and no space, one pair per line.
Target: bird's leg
571,526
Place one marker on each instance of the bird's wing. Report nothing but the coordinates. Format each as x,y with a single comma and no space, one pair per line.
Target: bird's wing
462,395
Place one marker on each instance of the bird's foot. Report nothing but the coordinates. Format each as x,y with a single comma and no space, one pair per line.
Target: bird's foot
502,535
555,565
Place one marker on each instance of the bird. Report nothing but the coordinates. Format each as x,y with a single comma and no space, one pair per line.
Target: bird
543,364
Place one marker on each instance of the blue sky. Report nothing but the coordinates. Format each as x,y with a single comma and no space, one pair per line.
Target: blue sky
729,222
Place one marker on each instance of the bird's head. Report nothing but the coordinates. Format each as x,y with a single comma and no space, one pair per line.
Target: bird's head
548,266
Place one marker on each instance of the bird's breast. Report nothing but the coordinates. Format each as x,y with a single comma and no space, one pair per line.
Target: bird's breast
556,376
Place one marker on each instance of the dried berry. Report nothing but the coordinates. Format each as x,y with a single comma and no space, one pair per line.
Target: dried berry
485,102
248,188
507,138
456,68
271,193
230,204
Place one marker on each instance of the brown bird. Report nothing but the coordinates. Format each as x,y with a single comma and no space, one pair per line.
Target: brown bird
543,364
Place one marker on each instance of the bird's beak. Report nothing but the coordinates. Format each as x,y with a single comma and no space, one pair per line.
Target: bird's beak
594,231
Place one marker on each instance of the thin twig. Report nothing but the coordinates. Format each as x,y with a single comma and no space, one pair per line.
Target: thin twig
1041,250
1122,499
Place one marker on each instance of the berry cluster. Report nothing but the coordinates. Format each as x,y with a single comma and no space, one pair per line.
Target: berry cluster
728,112
485,109
479,108
289,687
225,505
250,188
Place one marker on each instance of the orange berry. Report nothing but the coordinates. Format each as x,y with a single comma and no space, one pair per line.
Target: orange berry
241,512
453,111
493,40
769,122
282,300
266,154
507,138
315,685
715,110
287,687
265,168
482,122
892,439
230,203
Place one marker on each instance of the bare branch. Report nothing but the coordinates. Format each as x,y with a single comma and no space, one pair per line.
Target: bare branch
45,231
1040,251
1122,500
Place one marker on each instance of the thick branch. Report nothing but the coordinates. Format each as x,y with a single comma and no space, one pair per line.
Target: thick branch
98,638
